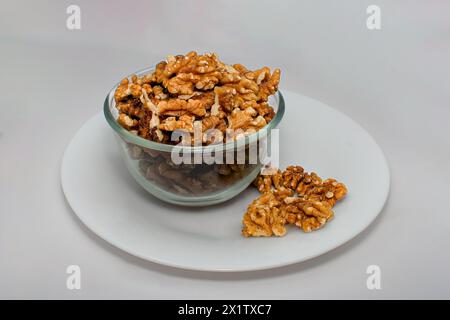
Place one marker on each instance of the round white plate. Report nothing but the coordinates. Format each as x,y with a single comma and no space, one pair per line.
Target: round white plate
105,197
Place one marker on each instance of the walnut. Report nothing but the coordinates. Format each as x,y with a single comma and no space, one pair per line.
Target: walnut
302,199
240,68
229,75
257,85
152,174
207,82
153,154
222,169
178,107
156,134
165,69
180,85
192,71
204,99
125,89
307,215
262,108
264,183
188,96
185,83
210,122
131,107
245,120
210,180
184,122
185,179
328,191
202,64
282,193
179,177
159,94
309,224
264,218
317,209
258,75
270,86
219,95
308,182
127,122
227,98
292,175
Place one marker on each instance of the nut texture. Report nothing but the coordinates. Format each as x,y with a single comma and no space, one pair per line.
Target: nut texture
190,92
291,197
264,217
219,95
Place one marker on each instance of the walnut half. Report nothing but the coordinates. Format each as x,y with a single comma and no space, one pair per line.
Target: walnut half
264,217
291,197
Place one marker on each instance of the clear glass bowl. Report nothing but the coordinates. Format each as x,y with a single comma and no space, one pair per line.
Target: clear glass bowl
198,184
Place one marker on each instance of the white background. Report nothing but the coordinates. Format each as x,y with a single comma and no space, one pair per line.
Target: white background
394,82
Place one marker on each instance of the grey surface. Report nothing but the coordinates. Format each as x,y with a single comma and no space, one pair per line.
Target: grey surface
394,82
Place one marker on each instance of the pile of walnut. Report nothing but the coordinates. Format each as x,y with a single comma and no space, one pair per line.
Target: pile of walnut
190,90
291,197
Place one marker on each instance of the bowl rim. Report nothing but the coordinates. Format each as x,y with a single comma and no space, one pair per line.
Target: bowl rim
231,145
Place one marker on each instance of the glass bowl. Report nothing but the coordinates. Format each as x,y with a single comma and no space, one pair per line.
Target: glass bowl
199,183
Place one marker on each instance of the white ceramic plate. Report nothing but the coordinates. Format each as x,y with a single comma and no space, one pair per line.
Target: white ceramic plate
107,199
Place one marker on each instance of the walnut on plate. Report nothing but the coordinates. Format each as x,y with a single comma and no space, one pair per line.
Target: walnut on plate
264,217
307,214
300,198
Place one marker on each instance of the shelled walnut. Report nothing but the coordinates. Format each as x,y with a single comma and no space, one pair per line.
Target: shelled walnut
201,87
264,217
194,92
291,197
186,179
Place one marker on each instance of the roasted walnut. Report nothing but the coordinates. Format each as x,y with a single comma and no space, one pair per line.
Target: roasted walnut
300,198
264,218
221,96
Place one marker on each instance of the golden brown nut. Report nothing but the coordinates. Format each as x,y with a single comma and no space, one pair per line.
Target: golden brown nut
219,95
270,86
158,93
264,183
292,176
210,122
258,75
130,107
127,88
302,198
178,107
306,214
329,191
127,122
246,120
184,122
264,218
226,98
282,193
308,224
